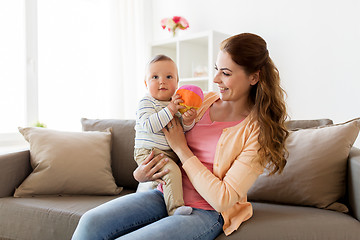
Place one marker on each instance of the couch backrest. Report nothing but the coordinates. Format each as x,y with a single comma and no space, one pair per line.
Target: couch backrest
122,154
123,134
303,124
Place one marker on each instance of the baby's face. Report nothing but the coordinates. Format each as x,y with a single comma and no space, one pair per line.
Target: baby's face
161,80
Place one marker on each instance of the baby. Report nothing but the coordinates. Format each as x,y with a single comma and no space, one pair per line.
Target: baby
154,112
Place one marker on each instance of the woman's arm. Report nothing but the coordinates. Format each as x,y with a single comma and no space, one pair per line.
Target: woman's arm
223,193
176,139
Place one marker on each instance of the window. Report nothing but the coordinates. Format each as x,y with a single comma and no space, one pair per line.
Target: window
64,60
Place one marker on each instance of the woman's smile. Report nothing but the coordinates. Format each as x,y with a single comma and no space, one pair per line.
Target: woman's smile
223,89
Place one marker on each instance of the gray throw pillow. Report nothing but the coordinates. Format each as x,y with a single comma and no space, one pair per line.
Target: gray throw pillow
122,154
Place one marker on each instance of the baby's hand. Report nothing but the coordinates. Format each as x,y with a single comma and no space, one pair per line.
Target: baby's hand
174,106
189,116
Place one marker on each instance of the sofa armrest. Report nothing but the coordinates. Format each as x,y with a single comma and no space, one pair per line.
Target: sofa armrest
354,182
14,168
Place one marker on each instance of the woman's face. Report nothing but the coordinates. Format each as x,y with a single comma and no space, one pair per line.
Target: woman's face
233,82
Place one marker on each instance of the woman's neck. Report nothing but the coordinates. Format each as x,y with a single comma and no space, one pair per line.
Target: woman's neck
227,111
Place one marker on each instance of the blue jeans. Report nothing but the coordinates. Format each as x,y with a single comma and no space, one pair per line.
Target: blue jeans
143,216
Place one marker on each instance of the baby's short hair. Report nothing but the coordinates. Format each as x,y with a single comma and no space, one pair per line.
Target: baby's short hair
160,57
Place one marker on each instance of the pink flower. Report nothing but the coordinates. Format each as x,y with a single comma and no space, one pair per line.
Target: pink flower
172,24
163,23
183,23
176,19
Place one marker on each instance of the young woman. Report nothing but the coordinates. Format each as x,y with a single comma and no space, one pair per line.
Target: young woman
239,132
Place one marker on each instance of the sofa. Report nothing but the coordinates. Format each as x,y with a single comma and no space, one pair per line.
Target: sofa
282,208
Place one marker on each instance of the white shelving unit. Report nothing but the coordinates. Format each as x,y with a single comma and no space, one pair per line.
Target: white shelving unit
195,56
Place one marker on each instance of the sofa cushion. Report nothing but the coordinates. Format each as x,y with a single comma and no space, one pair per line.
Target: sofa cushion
45,217
68,163
122,154
281,222
315,174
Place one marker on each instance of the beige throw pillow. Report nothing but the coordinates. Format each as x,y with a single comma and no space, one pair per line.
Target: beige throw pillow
68,163
315,174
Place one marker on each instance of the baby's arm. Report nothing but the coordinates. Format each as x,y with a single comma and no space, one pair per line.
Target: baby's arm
188,119
149,119
174,106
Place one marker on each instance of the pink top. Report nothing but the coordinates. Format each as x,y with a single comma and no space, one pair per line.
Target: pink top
204,148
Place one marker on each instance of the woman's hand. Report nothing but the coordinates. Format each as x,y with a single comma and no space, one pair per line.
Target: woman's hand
148,170
175,137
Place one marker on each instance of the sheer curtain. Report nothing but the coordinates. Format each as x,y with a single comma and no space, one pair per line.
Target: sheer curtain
92,55
12,66
12,73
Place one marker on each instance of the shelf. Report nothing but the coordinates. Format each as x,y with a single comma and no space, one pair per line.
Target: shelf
194,79
194,55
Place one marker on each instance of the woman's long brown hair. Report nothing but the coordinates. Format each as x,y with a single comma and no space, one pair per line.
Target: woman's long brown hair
267,97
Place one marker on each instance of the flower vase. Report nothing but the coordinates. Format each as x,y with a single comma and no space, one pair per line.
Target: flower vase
174,32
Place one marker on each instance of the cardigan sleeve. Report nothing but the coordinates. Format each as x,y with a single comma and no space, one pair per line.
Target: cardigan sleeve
223,193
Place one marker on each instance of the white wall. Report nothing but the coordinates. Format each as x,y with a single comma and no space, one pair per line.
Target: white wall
315,45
